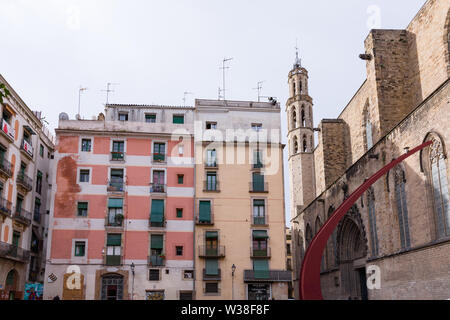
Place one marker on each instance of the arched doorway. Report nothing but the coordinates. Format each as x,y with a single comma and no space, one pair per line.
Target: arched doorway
352,251
112,287
11,284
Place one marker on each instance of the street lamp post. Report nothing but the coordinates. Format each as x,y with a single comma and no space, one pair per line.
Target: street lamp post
233,269
132,284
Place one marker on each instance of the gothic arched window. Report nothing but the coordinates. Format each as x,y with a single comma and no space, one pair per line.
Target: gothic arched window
437,174
318,225
368,126
333,240
294,119
295,145
293,88
372,221
402,209
308,235
303,117
300,87
305,147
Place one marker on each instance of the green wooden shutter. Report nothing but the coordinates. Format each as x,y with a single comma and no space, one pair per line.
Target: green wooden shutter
178,119
157,214
205,211
258,202
260,234
212,266
211,235
261,268
258,182
82,205
157,241
114,240
115,203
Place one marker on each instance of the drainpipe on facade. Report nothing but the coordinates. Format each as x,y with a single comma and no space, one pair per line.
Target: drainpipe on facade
193,240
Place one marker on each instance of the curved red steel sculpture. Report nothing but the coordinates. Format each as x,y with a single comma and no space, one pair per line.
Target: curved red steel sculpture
310,272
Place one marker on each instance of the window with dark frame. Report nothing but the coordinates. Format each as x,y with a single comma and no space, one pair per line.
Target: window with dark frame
211,125
178,119
86,145
212,287
80,248
82,209
150,118
39,182
179,213
41,151
123,116
154,275
179,250
84,175
180,178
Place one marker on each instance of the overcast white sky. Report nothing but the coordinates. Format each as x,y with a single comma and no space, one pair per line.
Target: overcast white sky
156,50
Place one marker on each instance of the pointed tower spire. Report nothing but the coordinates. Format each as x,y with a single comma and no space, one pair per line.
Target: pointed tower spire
298,61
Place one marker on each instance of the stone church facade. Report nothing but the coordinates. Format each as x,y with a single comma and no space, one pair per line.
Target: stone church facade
402,223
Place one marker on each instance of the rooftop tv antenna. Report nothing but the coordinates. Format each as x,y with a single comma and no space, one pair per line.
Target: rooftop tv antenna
80,90
259,87
223,74
218,93
184,97
108,90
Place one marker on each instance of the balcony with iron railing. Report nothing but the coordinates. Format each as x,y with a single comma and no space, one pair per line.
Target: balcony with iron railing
259,253
24,181
211,164
114,221
5,168
212,277
13,252
117,156
115,260
159,158
27,148
267,275
156,261
158,188
259,221
211,186
205,221
22,216
211,252
256,187
115,185
5,207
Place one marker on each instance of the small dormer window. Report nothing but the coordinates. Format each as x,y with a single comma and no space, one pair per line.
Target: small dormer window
123,116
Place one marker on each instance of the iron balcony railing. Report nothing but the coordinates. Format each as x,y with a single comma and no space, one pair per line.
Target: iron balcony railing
116,221
5,207
154,224
267,275
157,188
5,168
258,165
210,164
259,220
211,252
156,261
209,277
205,220
159,157
258,187
115,185
260,253
113,260
27,147
212,186
117,156
13,252
22,215
25,181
